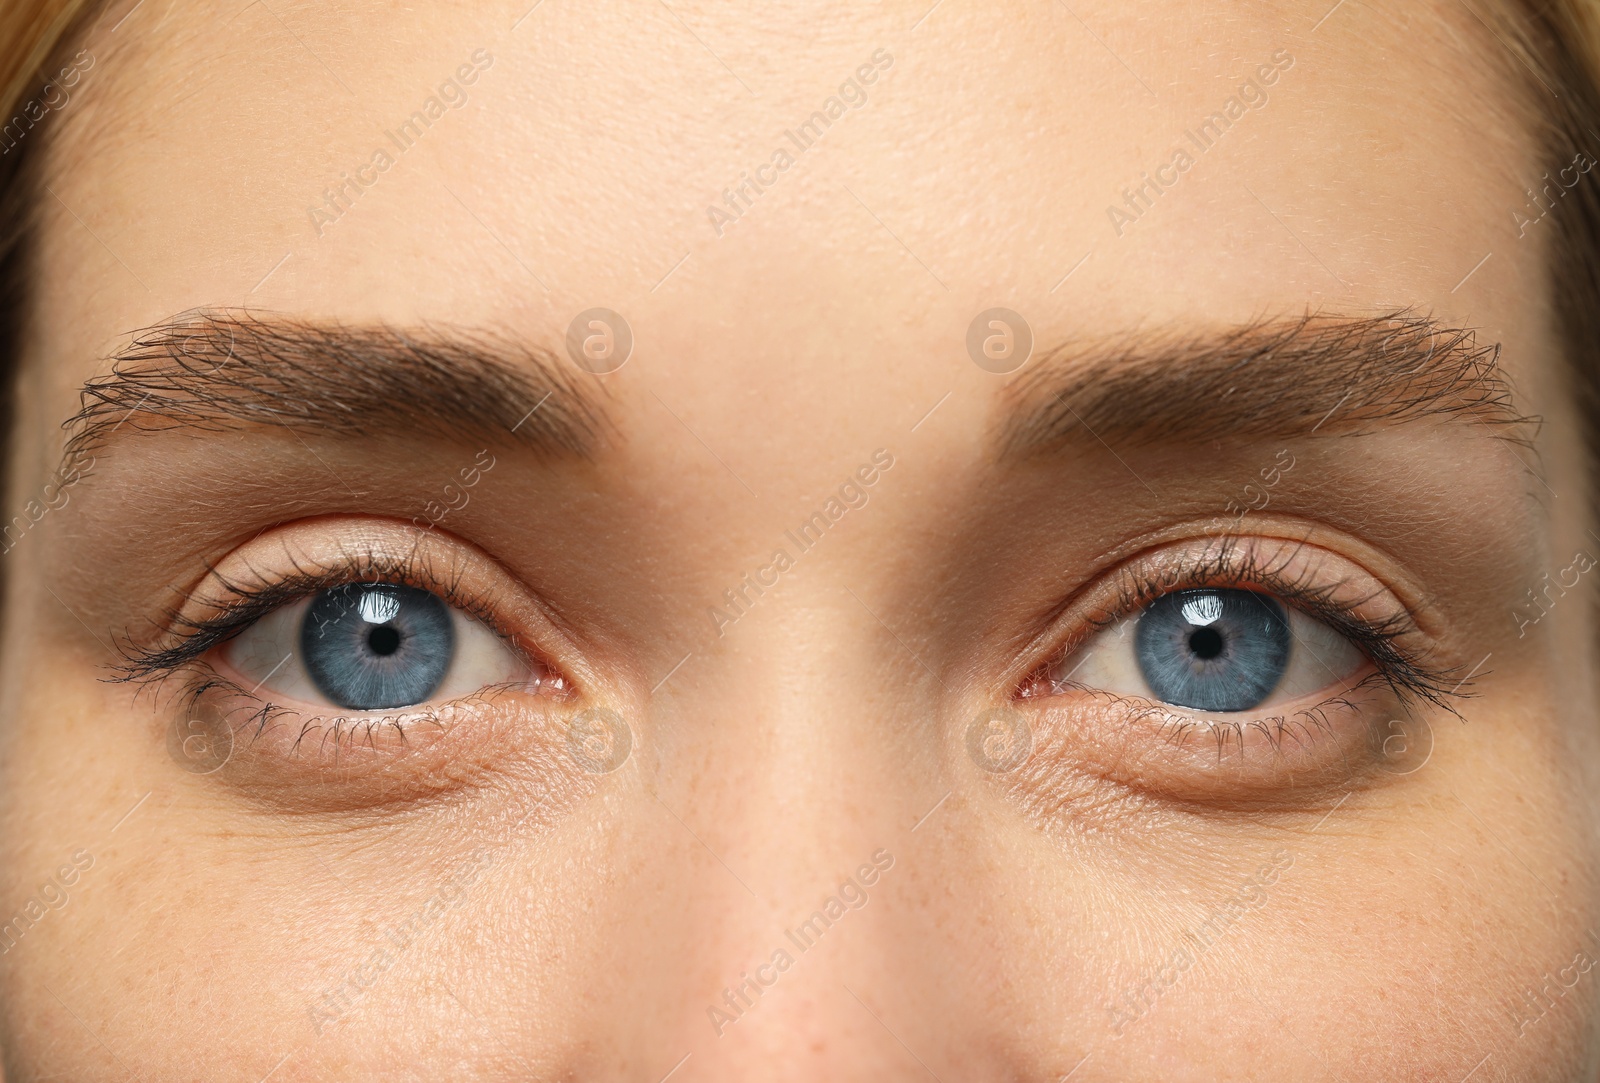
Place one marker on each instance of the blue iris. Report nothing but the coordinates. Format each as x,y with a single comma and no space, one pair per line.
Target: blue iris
1213,650
372,646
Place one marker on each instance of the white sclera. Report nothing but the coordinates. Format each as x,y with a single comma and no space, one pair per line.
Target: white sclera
1319,659
267,657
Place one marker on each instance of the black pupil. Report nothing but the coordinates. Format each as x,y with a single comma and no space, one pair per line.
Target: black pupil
373,646
1213,649
385,640
1206,642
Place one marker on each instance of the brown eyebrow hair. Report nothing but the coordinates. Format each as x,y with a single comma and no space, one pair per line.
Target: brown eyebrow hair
1269,378
215,371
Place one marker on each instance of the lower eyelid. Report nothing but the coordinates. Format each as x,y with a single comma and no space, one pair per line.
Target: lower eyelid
330,761
219,709
1213,759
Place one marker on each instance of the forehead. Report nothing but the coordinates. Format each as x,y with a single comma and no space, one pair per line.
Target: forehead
813,185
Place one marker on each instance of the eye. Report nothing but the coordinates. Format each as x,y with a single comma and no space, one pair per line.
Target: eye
1215,670
1215,650
353,664
371,647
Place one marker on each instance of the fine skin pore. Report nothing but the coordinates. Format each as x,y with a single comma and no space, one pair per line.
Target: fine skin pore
1378,922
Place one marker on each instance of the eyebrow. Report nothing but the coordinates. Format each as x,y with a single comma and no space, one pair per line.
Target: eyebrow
1272,378
219,371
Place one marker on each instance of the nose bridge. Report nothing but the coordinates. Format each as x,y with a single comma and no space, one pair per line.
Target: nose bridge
783,770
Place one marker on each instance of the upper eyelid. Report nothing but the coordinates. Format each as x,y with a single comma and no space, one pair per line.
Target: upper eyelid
233,606
1311,594
1216,566
1410,670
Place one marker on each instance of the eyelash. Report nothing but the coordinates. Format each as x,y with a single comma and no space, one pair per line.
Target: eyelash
1408,674
1306,723
342,730
238,605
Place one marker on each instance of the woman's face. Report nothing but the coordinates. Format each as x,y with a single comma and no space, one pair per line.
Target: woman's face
574,579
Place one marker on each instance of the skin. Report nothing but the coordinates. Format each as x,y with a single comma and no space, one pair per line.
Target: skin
604,913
